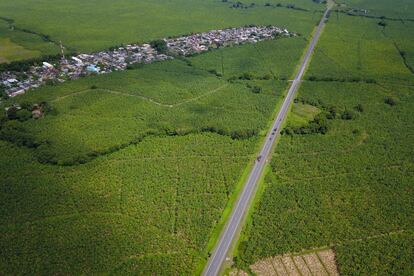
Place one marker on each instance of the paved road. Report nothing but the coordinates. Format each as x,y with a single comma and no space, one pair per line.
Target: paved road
233,225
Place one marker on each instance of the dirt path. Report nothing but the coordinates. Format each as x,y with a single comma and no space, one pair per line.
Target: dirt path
115,92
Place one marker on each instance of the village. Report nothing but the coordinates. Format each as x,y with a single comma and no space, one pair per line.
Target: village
74,67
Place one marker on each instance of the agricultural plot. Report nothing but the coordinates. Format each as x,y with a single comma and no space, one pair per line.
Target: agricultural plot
320,262
258,59
384,255
298,5
95,25
10,51
101,114
359,49
19,45
397,9
401,35
352,183
145,209
97,121
130,171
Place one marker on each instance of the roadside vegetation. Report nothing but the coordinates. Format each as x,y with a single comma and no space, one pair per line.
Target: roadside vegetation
161,99
352,182
349,186
129,172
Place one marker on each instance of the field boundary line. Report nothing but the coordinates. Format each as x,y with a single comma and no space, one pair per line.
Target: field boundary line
385,167
70,95
344,242
116,92
202,95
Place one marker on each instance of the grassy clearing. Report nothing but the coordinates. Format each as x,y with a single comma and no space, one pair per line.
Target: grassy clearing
18,45
10,51
302,114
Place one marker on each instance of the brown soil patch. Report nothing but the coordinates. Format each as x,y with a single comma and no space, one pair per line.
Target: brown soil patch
301,265
278,266
320,263
290,266
328,259
264,267
314,264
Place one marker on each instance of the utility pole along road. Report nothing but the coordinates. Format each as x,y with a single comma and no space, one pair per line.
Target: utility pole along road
234,223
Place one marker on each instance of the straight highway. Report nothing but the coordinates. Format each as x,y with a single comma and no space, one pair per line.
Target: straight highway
234,223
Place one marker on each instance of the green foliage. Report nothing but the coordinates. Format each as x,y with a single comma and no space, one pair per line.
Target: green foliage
382,23
348,115
246,76
14,132
128,21
23,115
399,9
387,255
368,54
159,45
351,183
144,209
254,88
166,98
318,125
390,101
359,108
12,113
266,60
136,171
24,65
3,94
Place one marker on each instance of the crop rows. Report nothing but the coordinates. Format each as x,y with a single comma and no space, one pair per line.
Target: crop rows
88,27
152,157
129,208
352,182
99,115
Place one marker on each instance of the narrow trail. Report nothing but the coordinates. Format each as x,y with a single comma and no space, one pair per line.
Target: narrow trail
344,242
120,93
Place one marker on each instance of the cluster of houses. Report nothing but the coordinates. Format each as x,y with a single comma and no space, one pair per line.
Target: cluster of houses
118,59
197,43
